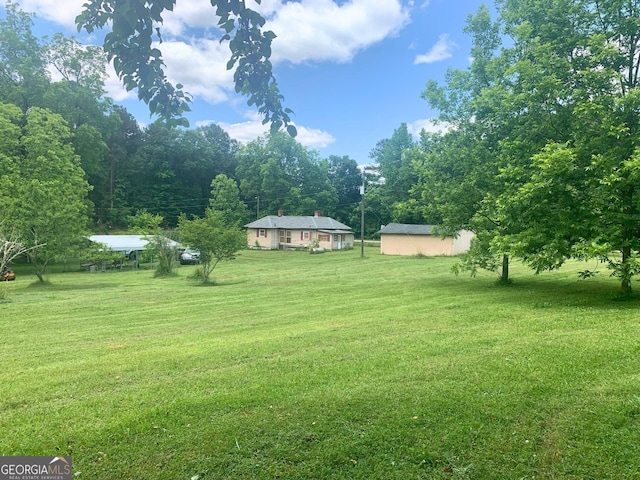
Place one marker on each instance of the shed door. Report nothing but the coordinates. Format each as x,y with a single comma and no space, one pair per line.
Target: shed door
337,240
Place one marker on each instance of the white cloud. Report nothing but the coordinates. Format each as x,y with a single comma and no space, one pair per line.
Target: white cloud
267,7
252,128
189,14
314,138
307,30
243,132
322,30
201,67
442,50
63,12
430,125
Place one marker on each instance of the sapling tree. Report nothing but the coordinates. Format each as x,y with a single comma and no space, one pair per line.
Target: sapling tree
213,237
165,251
160,245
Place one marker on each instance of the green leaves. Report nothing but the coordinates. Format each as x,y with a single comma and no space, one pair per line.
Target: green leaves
554,116
215,240
134,24
46,202
292,130
225,198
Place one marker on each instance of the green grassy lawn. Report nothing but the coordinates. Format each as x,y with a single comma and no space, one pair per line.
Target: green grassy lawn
299,366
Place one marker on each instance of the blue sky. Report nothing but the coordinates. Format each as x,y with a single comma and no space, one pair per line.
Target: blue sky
352,71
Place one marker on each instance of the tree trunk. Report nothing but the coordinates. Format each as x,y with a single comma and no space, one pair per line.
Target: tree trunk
504,276
625,272
34,257
37,269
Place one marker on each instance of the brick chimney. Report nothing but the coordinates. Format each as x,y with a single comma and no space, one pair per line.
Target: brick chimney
280,213
316,213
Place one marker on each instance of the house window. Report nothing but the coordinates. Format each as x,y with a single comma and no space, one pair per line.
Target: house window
323,237
305,235
262,232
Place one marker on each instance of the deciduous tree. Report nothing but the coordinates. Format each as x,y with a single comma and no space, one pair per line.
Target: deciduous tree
581,65
10,247
555,116
23,74
47,203
284,175
225,198
395,168
215,240
457,171
346,178
160,244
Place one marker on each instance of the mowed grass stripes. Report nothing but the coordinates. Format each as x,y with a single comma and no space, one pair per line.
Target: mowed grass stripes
323,366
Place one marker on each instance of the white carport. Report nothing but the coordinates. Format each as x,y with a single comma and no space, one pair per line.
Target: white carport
129,245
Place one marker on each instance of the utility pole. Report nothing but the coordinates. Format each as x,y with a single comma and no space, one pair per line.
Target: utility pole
362,218
258,208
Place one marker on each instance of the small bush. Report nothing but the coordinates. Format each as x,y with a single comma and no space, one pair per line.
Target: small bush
158,273
197,274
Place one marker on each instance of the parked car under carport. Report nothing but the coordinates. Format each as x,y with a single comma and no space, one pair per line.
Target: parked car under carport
190,257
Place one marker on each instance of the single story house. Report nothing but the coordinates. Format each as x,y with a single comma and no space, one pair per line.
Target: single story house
280,231
407,239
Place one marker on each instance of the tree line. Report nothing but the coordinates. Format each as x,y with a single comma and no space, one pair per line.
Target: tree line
539,154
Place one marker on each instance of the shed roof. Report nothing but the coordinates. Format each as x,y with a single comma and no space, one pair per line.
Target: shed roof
125,243
408,229
298,223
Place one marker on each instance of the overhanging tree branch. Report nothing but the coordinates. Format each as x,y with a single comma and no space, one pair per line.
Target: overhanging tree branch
135,24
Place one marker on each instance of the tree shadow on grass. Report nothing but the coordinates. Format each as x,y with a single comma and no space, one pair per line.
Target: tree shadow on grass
217,283
49,286
548,290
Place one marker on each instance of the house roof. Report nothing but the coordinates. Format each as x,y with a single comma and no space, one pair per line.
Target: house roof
336,231
298,223
125,243
408,229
